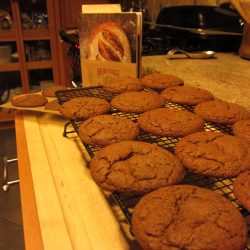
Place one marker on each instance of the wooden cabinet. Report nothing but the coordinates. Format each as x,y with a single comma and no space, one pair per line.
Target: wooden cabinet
43,30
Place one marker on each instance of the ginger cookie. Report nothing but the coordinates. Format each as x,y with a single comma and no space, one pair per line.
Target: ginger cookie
214,154
161,81
29,101
219,111
52,105
102,130
123,84
82,108
188,217
135,167
186,95
241,129
170,122
51,91
241,189
137,102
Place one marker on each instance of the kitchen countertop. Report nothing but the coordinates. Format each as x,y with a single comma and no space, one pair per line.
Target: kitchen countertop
62,206
227,76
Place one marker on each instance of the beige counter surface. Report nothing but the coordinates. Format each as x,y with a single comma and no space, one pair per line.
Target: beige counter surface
227,76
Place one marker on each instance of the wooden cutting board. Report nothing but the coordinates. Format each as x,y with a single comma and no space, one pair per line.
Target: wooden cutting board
72,211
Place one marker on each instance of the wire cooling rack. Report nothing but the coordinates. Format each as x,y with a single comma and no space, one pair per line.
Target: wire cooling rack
127,202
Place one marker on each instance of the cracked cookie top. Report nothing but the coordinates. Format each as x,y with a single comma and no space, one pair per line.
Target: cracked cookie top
137,102
186,95
221,112
188,217
241,189
123,84
135,167
170,122
107,129
81,108
241,129
214,154
161,81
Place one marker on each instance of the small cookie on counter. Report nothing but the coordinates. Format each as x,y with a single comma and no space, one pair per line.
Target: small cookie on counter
161,81
137,102
82,108
241,189
186,95
241,129
29,101
102,130
214,154
52,105
135,167
51,90
123,84
170,122
188,217
223,112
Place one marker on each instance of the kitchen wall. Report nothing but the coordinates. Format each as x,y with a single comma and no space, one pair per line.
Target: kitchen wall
154,6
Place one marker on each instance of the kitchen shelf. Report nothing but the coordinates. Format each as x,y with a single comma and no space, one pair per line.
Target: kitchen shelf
8,67
39,65
7,36
36,34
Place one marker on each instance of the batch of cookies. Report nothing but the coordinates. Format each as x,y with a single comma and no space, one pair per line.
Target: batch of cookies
170,215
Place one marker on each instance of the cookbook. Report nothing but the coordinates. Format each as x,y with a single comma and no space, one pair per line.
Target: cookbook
110,46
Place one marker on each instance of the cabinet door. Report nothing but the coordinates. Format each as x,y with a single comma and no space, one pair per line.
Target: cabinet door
40,36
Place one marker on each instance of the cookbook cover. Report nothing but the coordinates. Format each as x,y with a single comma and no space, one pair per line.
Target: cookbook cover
109,46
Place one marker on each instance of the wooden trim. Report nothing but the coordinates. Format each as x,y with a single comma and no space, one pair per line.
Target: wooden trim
9,67
20,46
39,65
35,34
54,39
7,36
31,225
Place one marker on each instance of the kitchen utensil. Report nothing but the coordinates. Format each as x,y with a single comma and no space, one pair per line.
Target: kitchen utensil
175,53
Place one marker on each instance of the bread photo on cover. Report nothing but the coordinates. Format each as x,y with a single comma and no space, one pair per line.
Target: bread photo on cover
108,42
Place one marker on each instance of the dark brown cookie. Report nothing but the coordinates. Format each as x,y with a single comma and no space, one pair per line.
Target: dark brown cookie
29,100
81,108
135,167
241,189
241,129
221,112
170,122
51,91
52,105
137,102
214,154
107,129
123,84
161,81
186,95
188,217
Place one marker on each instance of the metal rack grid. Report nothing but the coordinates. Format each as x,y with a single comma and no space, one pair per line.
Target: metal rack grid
127,203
